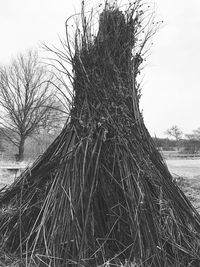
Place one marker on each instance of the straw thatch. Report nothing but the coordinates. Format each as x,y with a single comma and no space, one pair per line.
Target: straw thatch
101,191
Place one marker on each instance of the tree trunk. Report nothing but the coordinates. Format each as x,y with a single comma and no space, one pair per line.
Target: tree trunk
20,155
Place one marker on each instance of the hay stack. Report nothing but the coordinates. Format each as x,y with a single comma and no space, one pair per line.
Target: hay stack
102,191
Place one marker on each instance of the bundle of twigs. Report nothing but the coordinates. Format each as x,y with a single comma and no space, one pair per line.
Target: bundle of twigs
102,192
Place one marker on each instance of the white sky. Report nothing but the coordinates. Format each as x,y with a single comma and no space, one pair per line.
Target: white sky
171,91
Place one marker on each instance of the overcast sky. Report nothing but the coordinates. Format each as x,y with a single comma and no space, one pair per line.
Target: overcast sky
171,91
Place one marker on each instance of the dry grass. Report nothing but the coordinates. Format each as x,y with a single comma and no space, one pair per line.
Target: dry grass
6,178
191,188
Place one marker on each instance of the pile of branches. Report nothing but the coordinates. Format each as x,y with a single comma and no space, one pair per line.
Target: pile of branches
101,192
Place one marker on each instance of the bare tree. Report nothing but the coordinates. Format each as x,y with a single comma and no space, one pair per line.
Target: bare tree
175,132
26,99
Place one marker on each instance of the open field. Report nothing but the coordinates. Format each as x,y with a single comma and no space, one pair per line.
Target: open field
6,177
187,172
184,167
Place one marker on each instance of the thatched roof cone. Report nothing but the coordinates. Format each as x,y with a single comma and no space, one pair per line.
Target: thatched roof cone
102,191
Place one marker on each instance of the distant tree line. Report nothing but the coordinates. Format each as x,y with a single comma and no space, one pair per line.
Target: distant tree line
176,140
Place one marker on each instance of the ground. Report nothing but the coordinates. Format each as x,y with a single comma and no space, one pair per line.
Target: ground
6,178
187,174
185,167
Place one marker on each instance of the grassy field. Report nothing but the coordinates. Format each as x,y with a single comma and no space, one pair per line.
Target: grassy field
187,174
6,177
184,167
